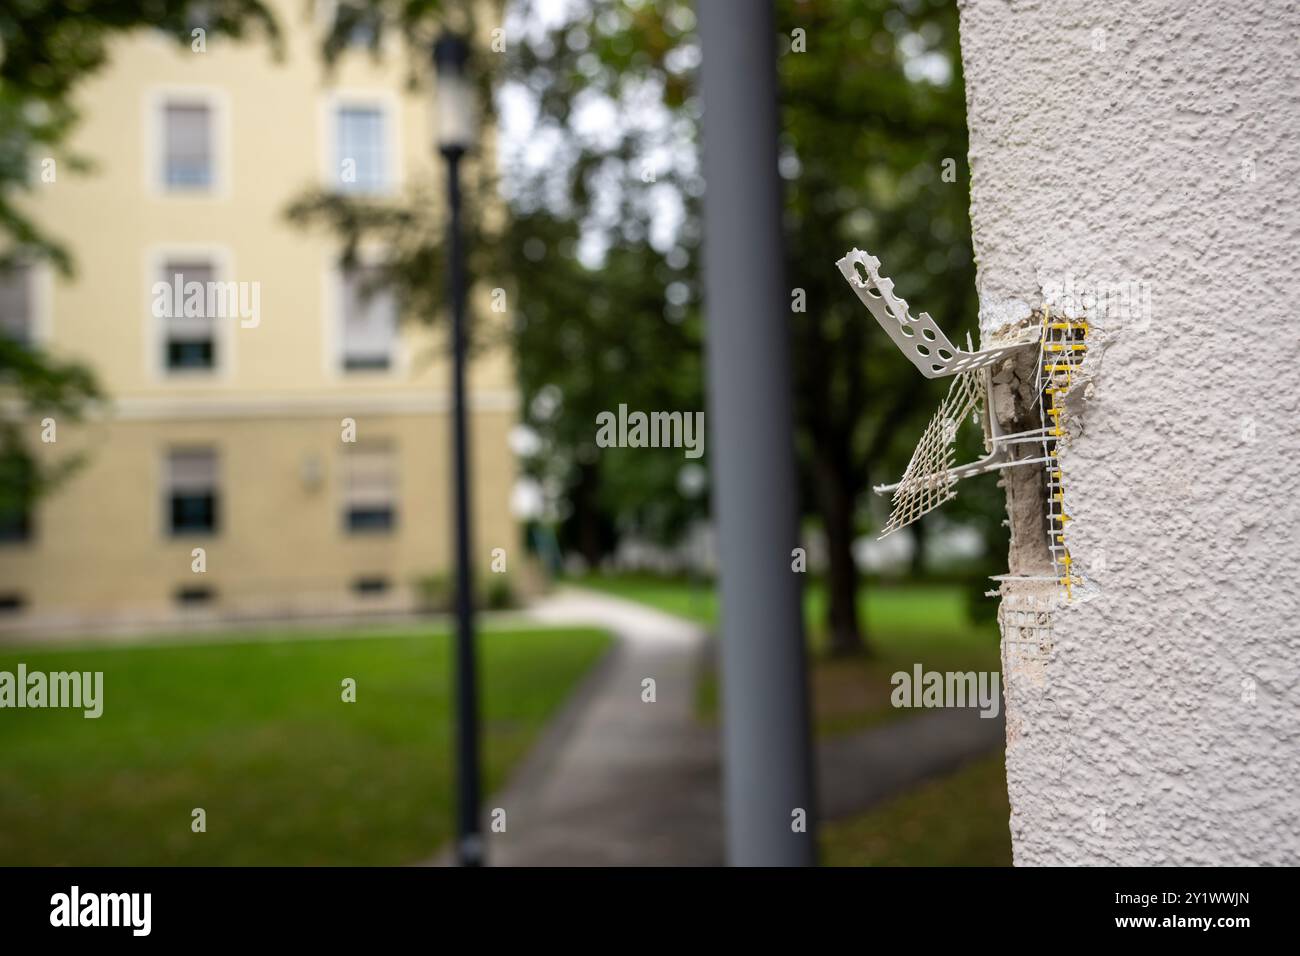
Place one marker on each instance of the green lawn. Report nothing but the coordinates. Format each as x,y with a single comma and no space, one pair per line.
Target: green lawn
960,820
257,735
905,625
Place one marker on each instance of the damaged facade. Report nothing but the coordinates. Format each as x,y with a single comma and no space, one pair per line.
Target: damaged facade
1152,711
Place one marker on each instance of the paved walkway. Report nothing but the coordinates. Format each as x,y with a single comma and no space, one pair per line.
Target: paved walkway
618,781
857,771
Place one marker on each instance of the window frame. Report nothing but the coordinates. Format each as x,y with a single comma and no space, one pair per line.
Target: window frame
40,301
217,101
394,350
223,332
334,299
389,107
26,535
392,523
169,531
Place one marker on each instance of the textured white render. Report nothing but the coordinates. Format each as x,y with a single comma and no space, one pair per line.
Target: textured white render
1156,140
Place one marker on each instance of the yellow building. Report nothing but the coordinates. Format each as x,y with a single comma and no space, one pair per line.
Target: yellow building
293,430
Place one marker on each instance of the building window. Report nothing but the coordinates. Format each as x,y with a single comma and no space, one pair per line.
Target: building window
198,17
16,304
370,585
194,596
362,23
189,343
361,152
369,321
15,523
187,146
370,489
192,499
17,486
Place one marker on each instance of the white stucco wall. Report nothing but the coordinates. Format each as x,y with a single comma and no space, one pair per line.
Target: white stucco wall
1156,141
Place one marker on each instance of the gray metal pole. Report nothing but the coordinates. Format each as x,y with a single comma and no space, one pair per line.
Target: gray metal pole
767,757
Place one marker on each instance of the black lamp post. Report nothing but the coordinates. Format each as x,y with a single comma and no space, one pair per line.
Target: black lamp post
455,128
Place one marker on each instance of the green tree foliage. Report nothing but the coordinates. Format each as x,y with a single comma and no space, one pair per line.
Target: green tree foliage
46,48
873,114
600,249
872,117
608,302
577,330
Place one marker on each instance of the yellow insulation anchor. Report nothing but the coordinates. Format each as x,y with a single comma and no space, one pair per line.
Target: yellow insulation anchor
1063,339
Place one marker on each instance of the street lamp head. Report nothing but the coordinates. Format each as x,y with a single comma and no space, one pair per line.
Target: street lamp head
454,99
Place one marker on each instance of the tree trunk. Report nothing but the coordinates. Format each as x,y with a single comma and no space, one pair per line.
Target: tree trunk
836,501
586,516
918,549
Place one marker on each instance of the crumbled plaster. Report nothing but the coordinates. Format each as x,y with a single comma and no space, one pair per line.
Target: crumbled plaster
1015,408
1156,142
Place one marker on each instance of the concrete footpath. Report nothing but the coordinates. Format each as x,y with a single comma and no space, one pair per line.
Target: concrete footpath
615,780
618,781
